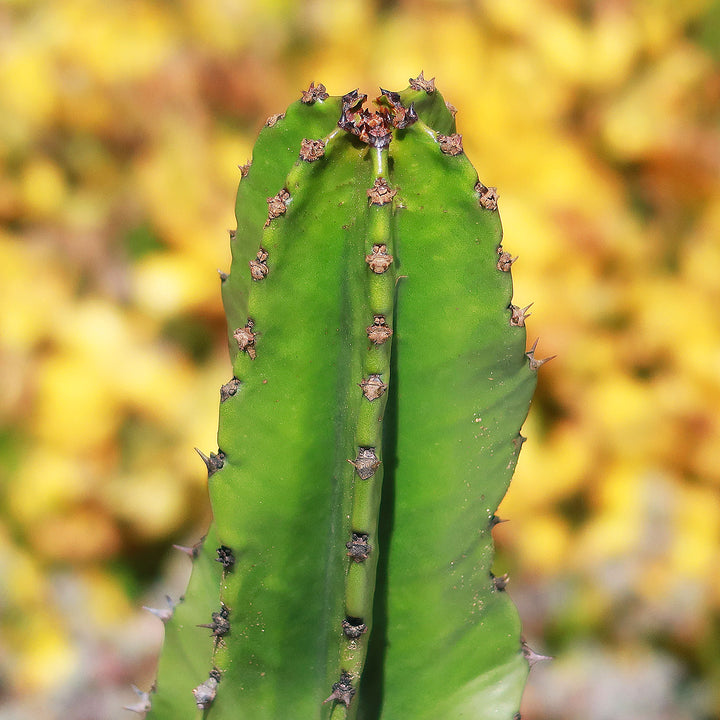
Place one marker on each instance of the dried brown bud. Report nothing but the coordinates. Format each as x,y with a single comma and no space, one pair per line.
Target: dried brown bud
273,119
488,196
314,93
420,83
311,150
379,331
276,205
373,387
450,144
246,338
380,193
366,463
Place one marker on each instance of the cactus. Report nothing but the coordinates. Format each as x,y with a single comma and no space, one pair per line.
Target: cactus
366,437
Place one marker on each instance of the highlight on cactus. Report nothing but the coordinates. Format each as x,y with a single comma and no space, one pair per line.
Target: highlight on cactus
367,434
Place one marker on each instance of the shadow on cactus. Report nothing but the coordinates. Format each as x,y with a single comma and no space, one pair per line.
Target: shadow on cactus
366,437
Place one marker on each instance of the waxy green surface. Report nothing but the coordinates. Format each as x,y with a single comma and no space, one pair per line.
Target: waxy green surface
443,641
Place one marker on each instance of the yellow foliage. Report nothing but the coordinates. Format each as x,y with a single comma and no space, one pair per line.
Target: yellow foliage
118,121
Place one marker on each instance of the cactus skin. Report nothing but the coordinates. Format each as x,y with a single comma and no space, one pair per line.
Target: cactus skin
371,427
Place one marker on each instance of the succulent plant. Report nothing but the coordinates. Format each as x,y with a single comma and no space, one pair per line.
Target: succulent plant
367,435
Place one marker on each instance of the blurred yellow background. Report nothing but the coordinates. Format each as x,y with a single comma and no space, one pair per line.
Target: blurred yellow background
121,128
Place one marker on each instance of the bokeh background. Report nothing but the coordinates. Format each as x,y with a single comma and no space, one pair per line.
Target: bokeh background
122,124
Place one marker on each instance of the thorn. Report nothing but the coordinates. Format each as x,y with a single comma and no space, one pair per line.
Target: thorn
342,691
530,655
534,362
495,520
193,551
163,613
223,275
212,463
144,703
205,692
518,315
244,170
366,463
220,624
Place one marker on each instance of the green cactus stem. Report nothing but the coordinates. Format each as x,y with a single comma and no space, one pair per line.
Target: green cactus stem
366,437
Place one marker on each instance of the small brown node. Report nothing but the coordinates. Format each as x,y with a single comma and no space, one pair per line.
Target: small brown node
272,121
223,275
366,463
246,338
420,83
313,93
212,463
379,331
518,315
450,144
488,196
379,260
276,205
229,389
206,691
258,266
358,547
220,624
505,260
451,108
535,364
373,387
380,193
244,169
342,691
353,628
225,557
311,150
501,582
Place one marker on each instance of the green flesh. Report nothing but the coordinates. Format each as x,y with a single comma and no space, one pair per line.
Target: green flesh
443,641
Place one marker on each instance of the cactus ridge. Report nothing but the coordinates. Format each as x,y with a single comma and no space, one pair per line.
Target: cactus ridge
373,340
